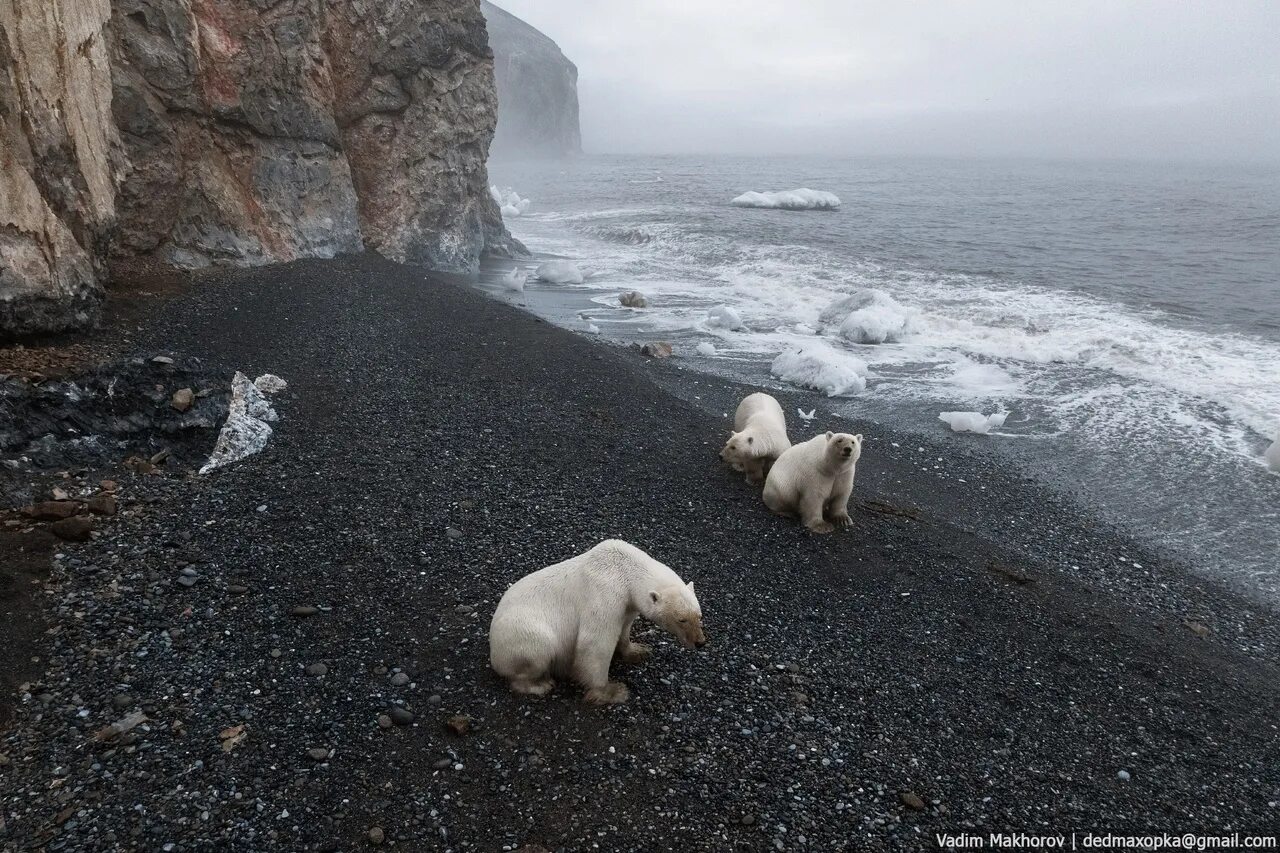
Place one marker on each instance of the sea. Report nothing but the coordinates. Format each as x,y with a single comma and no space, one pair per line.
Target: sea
1123,317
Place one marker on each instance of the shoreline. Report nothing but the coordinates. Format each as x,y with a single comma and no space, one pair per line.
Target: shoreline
932,651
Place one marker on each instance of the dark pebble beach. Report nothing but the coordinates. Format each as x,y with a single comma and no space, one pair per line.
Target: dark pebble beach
293,649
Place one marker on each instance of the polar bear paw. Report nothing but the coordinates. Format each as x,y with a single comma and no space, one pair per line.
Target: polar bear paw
613,693
636,653
842,519
821,526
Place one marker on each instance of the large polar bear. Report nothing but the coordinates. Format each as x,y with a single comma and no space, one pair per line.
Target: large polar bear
814,480
568,620
759,436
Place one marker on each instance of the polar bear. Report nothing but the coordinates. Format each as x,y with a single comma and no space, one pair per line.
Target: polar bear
759,436
814,480
570,619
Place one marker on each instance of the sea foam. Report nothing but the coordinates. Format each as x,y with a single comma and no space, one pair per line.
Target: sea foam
822,367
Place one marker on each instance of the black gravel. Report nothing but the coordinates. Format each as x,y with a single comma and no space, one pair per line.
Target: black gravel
320,679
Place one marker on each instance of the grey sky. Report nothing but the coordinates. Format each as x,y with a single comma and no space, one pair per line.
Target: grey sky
1087,78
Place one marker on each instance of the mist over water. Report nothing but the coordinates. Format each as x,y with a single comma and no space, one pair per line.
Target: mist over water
1126,316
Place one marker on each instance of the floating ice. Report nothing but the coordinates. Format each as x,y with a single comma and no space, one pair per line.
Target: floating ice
1273,454
868,316
724,317
633,299
973,421
801,199
509,201
592,329
706,348
821,367
514,280
559,272
246,430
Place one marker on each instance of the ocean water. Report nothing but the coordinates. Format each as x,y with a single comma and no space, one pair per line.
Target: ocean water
1125,316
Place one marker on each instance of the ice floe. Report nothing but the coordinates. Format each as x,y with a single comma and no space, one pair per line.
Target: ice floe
801,199
559,272
867,316
822,367
724,317
510,202
973,421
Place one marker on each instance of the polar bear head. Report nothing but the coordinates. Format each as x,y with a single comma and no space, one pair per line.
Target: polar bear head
843,449
675,609
739,446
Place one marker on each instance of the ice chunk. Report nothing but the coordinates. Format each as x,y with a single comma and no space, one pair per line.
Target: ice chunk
724,317
1273,454
269,383
867,316
973,421
514,280
509,201
633,299
801,199
706,348
559,272
246,430
822,367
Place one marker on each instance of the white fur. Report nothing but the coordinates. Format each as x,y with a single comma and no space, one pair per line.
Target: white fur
814,480
759,436
568,620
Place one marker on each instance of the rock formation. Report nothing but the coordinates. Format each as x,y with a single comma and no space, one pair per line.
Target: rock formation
537,90
57,144
249,132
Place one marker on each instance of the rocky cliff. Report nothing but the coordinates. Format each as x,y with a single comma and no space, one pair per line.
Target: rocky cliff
57,161
237,131
537,90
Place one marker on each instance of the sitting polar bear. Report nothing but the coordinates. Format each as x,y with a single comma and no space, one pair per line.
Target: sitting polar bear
759,436
568,620
814,480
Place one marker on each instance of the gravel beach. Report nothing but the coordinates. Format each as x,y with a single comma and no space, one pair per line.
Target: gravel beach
293,649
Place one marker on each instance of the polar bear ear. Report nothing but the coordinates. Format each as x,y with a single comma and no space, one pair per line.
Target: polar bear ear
829,434
690,586
858,438
653,596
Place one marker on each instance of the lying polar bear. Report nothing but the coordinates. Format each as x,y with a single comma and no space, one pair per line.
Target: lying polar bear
759,437
568,620
814,480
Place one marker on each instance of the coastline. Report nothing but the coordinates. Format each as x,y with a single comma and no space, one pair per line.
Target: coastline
941,648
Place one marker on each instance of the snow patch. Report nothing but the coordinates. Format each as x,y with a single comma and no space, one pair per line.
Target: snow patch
801,199
706,348
973,421
823,368
246,430
724,317
510,202
868,316
559,272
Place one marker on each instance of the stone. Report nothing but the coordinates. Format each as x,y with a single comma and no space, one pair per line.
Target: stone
464,609
317,669
302,611
187,580
1198,628
376,835
1123,776
318,753
182,399
442,764
656,349
912,800
633,299
384,721
400,679
400,716
52,510
109,485
453,533
459,724
162,359
121,701
102,504
74,529
237,589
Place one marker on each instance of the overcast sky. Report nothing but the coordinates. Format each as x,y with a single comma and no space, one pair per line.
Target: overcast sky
1077,78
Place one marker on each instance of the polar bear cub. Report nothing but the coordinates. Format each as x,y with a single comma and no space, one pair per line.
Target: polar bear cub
814,480
570,619
759,436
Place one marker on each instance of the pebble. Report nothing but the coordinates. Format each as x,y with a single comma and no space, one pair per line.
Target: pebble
237,589
912,800
400,679
443,764
189,572
122,701
317,669
304,610
376,835
453,533
384,721
400,716
187,580
318,753
1123,776
434,699
464,609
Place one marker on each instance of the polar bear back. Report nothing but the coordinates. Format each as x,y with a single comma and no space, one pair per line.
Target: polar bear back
799,465
760,416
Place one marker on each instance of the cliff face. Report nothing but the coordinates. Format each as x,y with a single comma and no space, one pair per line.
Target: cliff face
537,90
57,143
241,132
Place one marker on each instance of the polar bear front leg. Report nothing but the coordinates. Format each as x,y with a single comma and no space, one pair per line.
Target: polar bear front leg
838,506
628,651
811,503
754,467
591,659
